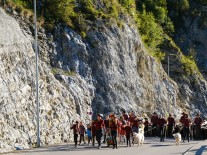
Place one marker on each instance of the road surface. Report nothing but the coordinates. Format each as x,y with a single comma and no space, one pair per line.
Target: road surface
152,146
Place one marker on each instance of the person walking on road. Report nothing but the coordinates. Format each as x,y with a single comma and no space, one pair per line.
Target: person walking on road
82,131
186,128
161,126
154,120
89,133
113,124
128,133
99,124
197,122
75,128
171,125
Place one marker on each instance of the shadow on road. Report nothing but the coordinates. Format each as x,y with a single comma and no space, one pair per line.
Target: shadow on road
69,147
160,145
66,148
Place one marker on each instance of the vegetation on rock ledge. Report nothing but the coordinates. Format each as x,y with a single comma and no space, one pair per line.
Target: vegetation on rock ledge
151,17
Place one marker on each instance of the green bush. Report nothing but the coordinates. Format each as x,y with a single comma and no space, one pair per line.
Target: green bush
129,6
59,11
189,64
24,3
152,33
159,11
159,55
87,7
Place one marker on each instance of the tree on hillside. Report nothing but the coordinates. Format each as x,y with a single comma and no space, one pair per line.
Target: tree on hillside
152,33
159,10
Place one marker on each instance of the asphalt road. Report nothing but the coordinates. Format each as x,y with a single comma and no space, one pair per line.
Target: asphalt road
152,146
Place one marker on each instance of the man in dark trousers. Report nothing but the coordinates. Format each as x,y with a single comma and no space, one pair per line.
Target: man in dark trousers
171,124
128,133
161,126
154,120
82,131
75,128
113,124
186,128
99,124
197,122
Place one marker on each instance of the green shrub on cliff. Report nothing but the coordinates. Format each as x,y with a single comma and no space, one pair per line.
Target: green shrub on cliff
189,63
129,5
154,24
19,6
152,33
151,17
152,21
24,3
160,12
75,12
59,11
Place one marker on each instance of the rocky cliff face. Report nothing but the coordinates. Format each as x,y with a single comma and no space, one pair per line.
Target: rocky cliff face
123,74
106,71
192,36
59,103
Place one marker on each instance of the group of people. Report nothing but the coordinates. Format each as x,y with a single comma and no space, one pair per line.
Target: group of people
189,128
124,126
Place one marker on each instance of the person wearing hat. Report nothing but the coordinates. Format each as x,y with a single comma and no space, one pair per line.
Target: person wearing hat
121,131
182,117
186,128
128,133
113,125
75,128
99,124
197,122
82,131
125,116
131,117
171,125
161,126
154,120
